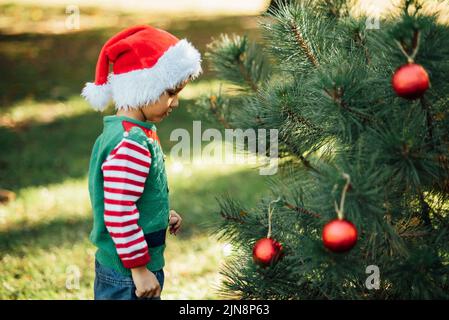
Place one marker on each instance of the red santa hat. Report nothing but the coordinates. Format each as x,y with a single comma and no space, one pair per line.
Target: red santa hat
146,62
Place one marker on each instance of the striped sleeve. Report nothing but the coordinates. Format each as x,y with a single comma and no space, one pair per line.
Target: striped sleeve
125,171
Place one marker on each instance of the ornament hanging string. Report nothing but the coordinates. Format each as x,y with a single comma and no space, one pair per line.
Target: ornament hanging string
340,210
270,214
416,33
416,39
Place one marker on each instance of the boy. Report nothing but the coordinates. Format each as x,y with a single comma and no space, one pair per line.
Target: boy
127,180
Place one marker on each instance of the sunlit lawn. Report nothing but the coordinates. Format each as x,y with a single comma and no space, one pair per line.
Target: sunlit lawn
46,135
44,243
43,233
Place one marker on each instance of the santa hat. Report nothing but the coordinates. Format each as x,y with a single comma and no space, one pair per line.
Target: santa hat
146,62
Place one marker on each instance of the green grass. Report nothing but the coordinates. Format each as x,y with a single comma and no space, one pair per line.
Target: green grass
43,233
46,135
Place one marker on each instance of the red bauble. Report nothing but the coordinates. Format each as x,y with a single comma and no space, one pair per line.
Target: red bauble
410,81
266,251
339,235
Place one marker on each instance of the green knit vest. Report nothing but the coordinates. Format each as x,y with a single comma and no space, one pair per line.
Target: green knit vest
153,205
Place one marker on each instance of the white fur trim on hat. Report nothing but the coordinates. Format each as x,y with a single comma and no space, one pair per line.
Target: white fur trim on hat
97,95
137,88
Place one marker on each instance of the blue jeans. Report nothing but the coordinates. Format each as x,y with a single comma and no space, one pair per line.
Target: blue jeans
112,285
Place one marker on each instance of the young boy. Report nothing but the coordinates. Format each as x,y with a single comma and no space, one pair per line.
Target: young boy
127,180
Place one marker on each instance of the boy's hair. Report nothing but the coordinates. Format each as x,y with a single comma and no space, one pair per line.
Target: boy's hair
175,90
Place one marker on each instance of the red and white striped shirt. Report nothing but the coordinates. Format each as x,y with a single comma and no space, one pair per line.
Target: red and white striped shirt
125,171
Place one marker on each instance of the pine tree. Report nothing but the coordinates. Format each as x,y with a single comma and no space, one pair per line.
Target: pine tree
323,79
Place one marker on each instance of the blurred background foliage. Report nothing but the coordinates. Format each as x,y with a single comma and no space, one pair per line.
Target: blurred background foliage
47,132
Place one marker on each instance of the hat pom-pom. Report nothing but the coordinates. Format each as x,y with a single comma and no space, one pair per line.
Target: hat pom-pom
97,95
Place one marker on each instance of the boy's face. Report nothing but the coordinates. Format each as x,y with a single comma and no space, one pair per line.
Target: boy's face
157,111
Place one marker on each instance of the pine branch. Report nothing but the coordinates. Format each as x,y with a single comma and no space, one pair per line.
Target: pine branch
337,97
417,234
245,74
231,210
426,108
304,161
298,153
303,44
360,41
300,119
306,123
238,61
333,8
301,210
214,110
388,160
232,218
408,3
337,94
307,164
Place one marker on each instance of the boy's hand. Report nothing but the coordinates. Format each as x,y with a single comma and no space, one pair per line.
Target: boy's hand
146,283
175,222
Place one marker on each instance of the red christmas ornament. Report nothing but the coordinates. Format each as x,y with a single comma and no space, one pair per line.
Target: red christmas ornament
266,251
410,81
339,235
